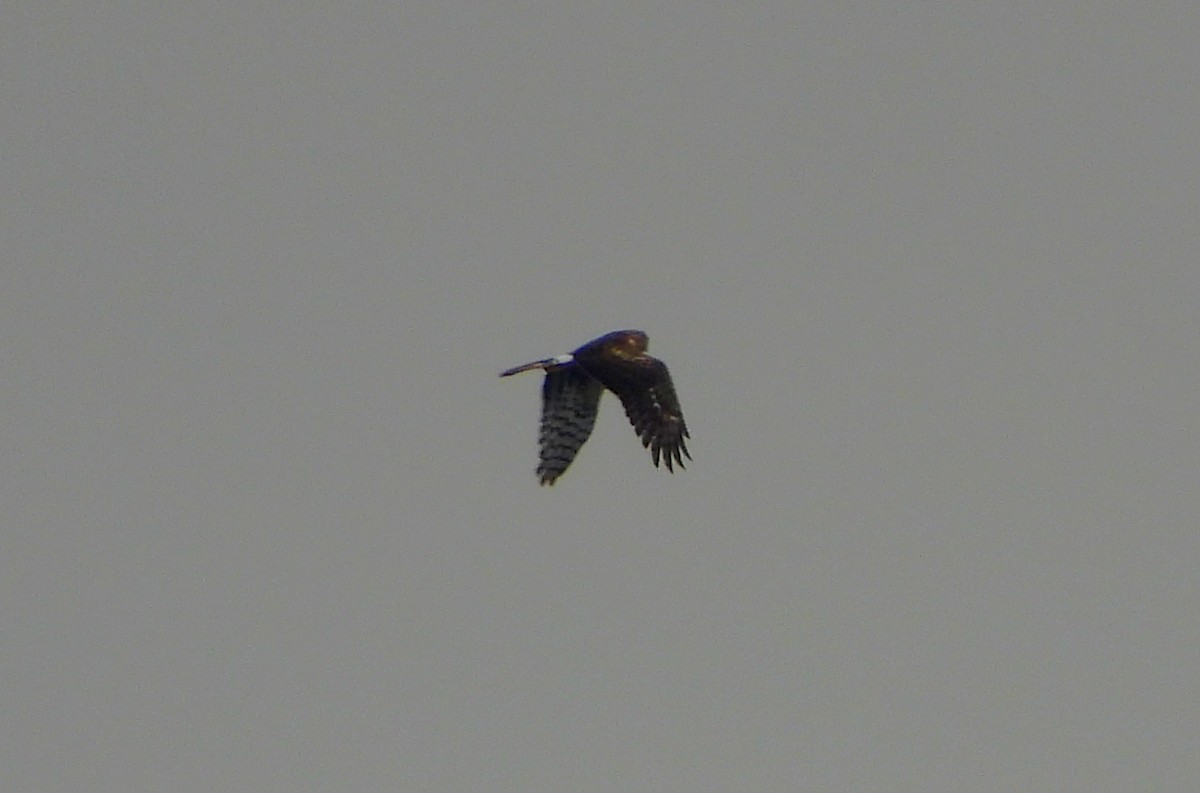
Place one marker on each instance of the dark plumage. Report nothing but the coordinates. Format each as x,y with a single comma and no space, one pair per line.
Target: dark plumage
571,394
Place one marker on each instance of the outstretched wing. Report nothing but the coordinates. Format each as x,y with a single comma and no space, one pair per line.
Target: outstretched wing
570,398
645,389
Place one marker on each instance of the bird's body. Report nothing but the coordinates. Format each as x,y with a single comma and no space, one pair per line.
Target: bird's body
571,395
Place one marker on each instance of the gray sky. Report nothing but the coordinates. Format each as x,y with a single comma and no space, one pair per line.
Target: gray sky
926,278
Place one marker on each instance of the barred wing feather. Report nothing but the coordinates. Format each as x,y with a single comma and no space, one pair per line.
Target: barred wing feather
645,389
570,399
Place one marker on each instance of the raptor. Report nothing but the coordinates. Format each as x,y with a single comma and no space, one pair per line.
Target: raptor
571,396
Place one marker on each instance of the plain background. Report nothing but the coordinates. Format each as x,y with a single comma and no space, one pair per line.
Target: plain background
926,278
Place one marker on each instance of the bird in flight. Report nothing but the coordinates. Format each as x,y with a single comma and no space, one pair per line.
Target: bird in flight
571,395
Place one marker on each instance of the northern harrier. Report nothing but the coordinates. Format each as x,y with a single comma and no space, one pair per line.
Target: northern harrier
571,394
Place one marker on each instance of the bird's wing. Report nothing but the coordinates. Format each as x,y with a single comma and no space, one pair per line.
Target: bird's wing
570,399
645,389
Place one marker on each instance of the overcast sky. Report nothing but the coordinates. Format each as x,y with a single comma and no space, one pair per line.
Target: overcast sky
925,275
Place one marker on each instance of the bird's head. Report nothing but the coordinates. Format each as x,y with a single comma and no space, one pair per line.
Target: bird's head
627,343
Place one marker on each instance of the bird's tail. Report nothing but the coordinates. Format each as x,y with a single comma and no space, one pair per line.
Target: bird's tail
526,367
545,363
